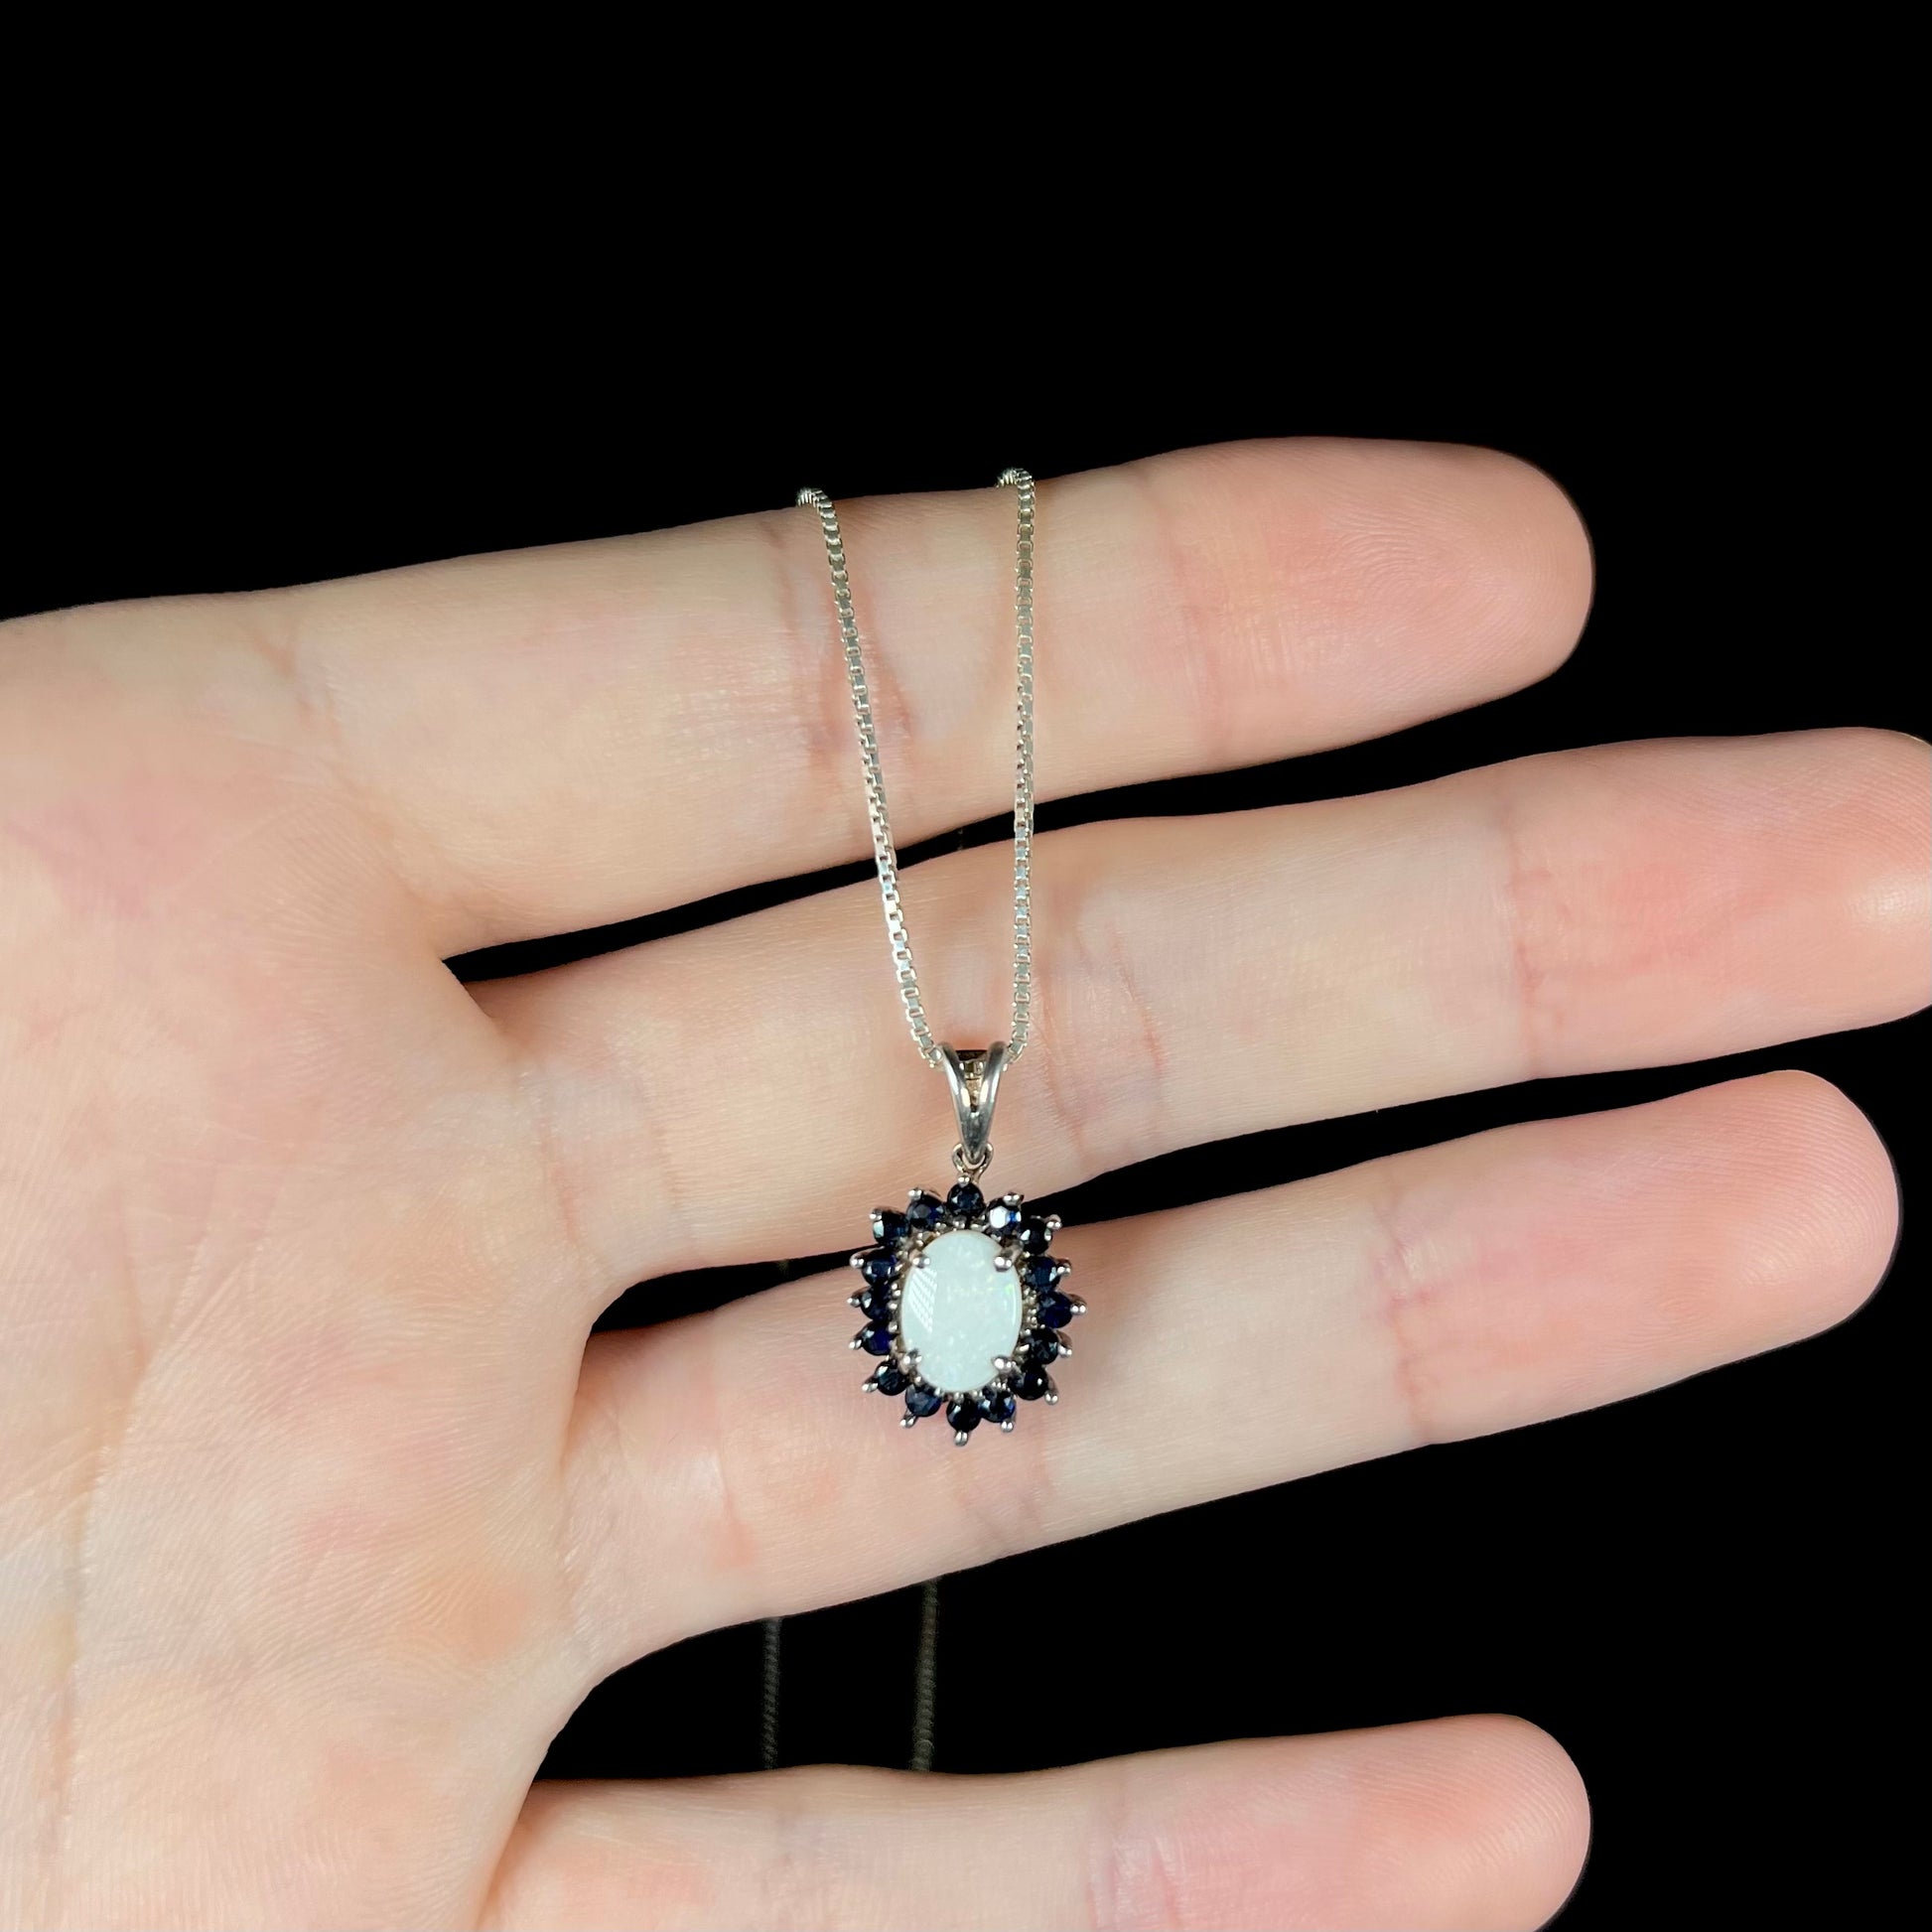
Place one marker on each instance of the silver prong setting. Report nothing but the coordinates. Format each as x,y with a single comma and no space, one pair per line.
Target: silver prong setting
1017,1252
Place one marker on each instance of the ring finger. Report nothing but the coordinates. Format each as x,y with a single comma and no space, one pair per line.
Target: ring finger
727,1466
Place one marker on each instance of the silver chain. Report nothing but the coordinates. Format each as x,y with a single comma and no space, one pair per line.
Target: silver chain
883,852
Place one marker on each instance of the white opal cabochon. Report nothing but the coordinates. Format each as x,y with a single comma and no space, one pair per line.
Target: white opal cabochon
959,1311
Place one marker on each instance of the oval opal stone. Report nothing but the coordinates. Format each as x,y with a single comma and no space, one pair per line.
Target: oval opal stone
959,1311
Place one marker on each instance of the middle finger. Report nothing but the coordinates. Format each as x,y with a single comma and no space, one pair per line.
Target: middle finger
746,1090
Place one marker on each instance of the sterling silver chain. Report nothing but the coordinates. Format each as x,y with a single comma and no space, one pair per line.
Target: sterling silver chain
931,1050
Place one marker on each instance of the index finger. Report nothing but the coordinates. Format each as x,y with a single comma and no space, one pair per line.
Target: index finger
556,739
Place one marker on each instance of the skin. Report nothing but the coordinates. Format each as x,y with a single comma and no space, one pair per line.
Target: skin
316,1514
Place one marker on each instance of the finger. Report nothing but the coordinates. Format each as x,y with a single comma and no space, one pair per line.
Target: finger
1466,1823
1205,977
1447,1292
558,737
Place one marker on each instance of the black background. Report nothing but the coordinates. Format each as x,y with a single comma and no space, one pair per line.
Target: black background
1700,1592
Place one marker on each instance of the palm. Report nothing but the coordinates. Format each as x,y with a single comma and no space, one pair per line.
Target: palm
318,1519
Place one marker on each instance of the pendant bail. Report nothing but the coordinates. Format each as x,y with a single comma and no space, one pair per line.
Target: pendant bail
973,1077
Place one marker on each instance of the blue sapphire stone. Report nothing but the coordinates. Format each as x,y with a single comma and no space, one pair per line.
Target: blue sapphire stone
880,1265
890,1379
875,1304
888,1224
876,1340
1035,1235
965,1202
997,1405
1055,1310
924,1211
1002,1219
922,1401
1033,1384
1040,1273
1042,1346
964,1415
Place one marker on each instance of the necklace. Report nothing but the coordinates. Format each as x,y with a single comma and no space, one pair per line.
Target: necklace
965,1304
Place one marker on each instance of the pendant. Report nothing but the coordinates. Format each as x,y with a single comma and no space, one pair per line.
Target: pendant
963,1300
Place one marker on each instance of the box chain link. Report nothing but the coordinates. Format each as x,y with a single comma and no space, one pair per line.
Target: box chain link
884,854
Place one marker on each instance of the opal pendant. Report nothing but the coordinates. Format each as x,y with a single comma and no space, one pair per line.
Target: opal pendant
963,1300
966,1305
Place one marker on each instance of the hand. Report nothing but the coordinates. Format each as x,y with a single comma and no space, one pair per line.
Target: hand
317,1518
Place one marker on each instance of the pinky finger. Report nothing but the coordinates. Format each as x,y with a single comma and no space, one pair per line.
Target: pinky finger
1469,1822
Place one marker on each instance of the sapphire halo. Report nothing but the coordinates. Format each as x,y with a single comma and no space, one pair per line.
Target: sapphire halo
965,1306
